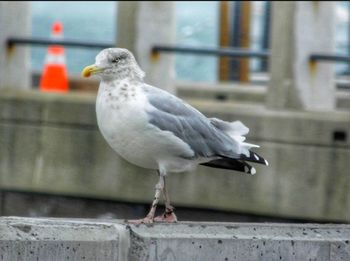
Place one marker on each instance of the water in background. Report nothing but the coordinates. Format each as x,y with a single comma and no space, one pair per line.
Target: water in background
197,25
90,21
96,21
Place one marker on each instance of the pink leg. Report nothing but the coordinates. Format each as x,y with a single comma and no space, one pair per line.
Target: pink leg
150,216
169,214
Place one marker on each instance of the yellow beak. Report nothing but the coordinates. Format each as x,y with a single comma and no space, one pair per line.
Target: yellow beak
90,70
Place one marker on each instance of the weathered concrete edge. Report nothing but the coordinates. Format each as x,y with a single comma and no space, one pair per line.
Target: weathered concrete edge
77,110
67,233
240,92
136,241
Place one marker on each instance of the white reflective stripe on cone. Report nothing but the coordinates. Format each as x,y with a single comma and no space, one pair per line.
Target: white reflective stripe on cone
55,59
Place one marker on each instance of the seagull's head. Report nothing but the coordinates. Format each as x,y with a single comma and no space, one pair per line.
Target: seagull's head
113,64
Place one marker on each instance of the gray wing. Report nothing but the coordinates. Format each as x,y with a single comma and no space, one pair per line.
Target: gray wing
170,113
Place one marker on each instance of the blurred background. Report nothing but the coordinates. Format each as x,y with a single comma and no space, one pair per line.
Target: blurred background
282,68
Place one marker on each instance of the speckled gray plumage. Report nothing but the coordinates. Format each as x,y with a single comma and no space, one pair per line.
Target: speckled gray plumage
174,115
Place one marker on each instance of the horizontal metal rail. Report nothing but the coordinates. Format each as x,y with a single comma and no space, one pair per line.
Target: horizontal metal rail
330,58
48,41
228,52
241,53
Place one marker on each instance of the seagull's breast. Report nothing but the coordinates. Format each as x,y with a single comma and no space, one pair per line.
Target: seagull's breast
124,123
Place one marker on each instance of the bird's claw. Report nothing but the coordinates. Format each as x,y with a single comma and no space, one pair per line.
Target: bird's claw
145,220
168,217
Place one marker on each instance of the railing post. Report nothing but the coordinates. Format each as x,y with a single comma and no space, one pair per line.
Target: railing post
156,25
141,25
234,64
298,30
126,24
266,34
348,69
14,62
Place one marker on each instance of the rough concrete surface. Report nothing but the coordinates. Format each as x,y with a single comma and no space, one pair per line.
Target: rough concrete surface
238,92
299,29
58,239
15,21
77,239
240,241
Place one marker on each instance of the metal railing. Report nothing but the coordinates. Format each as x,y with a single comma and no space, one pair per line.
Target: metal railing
12,41
330,58
241,53
227,52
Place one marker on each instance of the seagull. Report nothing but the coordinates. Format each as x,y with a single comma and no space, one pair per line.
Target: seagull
154,129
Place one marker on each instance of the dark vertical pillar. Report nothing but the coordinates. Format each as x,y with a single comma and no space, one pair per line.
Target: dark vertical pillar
244,37
348,71
234,64
266,34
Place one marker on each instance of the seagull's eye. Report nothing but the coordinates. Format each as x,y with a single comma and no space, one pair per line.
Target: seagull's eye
115,60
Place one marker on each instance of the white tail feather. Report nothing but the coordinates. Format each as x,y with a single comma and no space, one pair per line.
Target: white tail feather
237,127
235,130
245,147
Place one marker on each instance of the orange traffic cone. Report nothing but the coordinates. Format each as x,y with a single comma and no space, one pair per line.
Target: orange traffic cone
54,77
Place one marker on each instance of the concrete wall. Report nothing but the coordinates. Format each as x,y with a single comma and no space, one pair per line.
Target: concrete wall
53,240
235,92
15,21
71,239
299,29
149,23
50,143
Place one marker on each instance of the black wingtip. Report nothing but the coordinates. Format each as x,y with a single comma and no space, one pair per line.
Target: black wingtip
254,157
231,164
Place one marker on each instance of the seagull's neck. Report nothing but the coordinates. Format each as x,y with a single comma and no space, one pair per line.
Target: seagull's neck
131,72
129,75
122,78
123,81
118,92
120,86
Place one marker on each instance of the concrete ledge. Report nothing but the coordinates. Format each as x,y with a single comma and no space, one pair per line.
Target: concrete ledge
63,239
222,91
237,92
343,99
